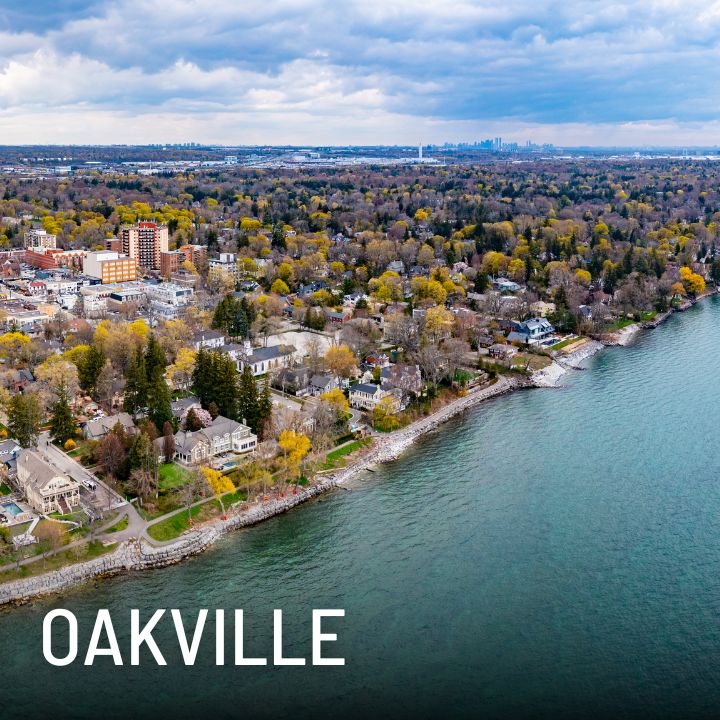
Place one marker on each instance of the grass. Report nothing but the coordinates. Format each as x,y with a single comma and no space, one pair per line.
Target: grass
619,324
177,524
172,476
4,489
335,456
648,315
565,343
68,557
533,362
119,526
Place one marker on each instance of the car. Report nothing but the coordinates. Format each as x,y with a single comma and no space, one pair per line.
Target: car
90,484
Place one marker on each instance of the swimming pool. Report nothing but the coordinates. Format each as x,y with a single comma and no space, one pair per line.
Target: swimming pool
11,509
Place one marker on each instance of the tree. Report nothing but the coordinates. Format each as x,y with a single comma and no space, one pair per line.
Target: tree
62,422
264,411
168,442
158,402
295,446
383,415
89,367
112,456
136,389
248,409
142,455
218,483
341,361
143,483
180,372
24,418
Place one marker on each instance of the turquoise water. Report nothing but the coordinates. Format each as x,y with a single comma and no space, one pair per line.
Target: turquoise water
553,553
11,509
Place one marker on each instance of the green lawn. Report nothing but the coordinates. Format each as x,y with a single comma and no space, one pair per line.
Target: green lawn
331,461
179,523
4,489
565,343
172,475
649,315
61,559
120,526
619,324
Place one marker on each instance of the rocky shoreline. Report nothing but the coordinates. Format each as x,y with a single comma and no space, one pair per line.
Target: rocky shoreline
138,555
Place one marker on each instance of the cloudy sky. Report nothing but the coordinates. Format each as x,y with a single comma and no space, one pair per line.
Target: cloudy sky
362,71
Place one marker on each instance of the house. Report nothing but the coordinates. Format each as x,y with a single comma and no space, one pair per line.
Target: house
505,285
184,405
365,396
293,380
305,291
320,384
338,317
265,359
99,427
406,378
208,339
501,351
45,487
222,436
531,332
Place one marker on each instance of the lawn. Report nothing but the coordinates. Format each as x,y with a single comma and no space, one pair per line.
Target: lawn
53,562
619,324
533,362
172,476
120,526
649,315
179,523
565,343
4,489
331,461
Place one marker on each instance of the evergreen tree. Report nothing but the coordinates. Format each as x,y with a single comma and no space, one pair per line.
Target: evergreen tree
201,381
62,422
142,456
136,386
24,418
158,401
155,360
247,399
89,367
264,410
225,385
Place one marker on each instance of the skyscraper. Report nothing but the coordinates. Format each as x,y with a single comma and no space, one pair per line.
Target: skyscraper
144,242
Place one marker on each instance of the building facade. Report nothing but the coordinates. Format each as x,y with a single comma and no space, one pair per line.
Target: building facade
110,267
144,242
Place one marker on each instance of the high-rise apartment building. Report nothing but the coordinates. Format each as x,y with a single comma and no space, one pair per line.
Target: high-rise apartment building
144,242
36,238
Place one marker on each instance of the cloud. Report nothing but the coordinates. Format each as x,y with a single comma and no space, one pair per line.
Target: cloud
333,72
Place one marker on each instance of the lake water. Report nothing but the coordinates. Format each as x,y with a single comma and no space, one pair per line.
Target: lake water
553,553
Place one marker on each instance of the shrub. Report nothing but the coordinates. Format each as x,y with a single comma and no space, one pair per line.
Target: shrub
70,444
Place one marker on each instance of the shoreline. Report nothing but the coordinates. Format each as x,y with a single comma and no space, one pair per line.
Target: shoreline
137,555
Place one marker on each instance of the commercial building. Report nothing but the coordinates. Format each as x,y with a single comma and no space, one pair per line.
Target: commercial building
144,242
49,258
110,266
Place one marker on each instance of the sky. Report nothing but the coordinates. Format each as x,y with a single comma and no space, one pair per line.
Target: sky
332,72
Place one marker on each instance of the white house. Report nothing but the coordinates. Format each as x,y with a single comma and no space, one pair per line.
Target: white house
45,487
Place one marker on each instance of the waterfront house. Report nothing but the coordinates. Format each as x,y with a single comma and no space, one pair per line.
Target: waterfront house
44,486
365,396
531,332
222,436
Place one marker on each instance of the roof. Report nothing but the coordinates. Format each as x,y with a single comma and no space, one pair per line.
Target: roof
368,388
269,353
38,472
101,426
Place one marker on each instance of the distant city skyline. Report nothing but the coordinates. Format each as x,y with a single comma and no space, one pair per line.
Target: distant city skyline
315,72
